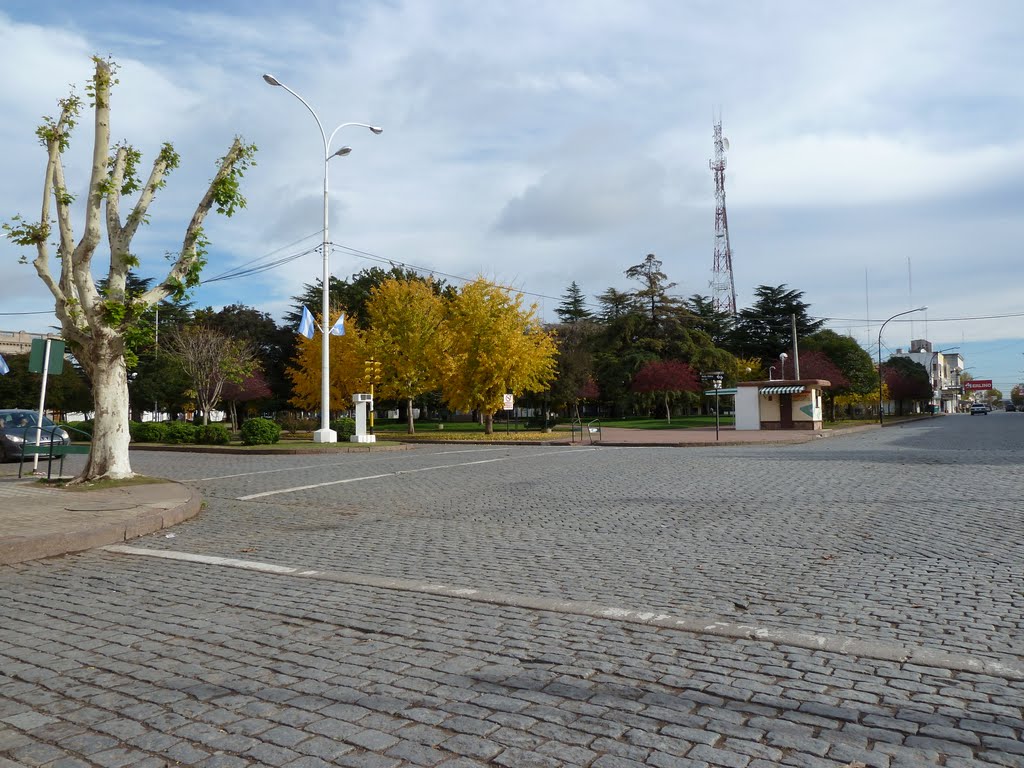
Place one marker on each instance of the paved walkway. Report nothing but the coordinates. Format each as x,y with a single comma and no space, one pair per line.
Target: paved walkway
38,522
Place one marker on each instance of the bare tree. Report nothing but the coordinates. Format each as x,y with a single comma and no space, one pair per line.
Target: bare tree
210,360
94,322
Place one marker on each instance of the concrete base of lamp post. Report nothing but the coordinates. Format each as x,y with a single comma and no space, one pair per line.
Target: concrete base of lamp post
325,436
363,438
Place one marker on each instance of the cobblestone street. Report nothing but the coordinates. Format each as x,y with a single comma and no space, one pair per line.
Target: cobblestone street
854,601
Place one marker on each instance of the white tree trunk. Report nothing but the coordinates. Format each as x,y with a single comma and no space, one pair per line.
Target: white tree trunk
108,457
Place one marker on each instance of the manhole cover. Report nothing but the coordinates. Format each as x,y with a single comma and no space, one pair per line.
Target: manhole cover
101,507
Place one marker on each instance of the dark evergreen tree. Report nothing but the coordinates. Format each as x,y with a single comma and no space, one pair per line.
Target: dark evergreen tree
653,293
574,306
716,323
764,329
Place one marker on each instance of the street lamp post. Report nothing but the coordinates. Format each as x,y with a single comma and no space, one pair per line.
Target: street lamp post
898,314
325,434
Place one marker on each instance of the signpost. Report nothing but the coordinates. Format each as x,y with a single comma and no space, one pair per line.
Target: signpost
507,405
715,377
46,357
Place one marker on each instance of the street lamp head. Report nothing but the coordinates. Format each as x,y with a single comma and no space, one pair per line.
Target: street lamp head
376,129
271,80
342,152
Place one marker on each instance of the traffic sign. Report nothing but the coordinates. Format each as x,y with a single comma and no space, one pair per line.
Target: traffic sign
37,357
509,402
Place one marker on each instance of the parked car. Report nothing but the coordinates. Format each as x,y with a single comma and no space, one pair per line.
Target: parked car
979,408
18,426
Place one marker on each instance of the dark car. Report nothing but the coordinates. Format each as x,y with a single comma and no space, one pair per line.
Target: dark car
18,427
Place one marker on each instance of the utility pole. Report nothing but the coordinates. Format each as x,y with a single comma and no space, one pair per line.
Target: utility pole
796,351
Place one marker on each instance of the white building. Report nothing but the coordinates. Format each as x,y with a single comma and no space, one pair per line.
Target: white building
944,368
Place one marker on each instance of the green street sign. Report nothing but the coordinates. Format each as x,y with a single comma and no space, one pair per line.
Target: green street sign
35,358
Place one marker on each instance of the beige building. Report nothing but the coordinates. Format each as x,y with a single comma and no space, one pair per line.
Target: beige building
20,342
780,404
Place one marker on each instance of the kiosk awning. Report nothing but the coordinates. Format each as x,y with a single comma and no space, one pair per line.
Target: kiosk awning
792,389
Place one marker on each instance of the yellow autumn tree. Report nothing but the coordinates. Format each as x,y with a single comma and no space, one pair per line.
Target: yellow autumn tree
346,368
495,346
408,336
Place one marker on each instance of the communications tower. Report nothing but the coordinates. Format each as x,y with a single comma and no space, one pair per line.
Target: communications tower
723,287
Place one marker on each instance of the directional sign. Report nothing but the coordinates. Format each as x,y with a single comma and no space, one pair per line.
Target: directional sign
977,385
37,357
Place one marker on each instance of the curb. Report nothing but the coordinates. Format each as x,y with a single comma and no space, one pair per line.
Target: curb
354,448
19,549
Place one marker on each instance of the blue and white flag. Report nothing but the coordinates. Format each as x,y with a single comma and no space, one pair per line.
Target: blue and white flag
306,324
5,369
338,329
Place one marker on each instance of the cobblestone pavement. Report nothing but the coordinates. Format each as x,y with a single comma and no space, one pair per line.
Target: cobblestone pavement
908,536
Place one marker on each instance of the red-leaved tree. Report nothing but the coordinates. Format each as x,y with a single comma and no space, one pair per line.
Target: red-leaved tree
253,387
666,377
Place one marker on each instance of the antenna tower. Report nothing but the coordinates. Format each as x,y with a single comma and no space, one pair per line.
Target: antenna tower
723,287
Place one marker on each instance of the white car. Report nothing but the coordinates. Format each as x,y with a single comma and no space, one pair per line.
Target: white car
979,408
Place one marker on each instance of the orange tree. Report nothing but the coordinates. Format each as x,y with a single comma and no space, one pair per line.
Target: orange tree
408,336
346,352
496,346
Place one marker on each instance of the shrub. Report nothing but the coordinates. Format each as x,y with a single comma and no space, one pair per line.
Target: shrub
181,432
294,422
260,432
148,432
345,427
80,430
213,434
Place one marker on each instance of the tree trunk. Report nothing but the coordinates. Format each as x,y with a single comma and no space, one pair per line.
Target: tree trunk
408,418
668,410
108,456
489,424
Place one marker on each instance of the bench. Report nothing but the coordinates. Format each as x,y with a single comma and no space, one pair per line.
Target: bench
51,452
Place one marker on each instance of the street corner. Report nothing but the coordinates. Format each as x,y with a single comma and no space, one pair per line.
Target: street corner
39,521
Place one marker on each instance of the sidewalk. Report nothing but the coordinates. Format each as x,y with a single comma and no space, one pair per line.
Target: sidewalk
37,521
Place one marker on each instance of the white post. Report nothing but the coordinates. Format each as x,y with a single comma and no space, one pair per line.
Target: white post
42,402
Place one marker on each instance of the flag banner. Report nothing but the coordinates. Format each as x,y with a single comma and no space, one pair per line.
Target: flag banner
306,324
338,329
4,368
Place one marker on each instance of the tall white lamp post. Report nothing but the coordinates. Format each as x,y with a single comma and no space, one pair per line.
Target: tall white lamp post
325,434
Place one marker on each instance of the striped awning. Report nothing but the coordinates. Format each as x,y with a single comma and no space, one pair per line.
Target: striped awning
792,389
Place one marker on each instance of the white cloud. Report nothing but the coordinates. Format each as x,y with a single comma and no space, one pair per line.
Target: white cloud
542,143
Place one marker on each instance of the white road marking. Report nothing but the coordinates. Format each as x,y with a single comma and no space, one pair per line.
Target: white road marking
402,472
231,562
851,646
315,485
319,466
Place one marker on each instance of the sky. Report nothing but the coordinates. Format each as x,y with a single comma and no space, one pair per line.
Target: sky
876,157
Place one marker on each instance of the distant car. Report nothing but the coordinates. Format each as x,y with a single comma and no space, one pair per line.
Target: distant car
18,426
979,408
1010,407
